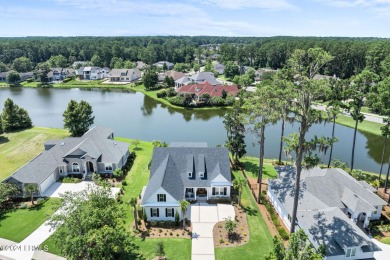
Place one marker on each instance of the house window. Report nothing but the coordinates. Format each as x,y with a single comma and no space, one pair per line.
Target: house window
348,253
108,167
169,213
154,213
75,167
161,198
201,174
219,191
190,175
353,252
289,217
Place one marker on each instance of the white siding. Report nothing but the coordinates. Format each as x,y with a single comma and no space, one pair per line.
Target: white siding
279,208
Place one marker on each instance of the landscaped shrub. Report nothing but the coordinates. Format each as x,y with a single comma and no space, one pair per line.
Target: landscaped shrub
177,218
40,201
153,223
71,180
229,101
178,100
124,183
217,101
162,93
23,206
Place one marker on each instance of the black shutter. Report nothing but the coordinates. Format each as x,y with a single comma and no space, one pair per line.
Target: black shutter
158,212
213,191
165,197
151,212
158,198
224,191
166,212
173,212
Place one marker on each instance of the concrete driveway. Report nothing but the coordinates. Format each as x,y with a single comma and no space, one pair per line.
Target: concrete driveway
58,188
385,253
203,217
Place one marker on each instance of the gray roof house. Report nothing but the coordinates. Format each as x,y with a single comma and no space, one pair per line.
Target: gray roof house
332,208
220,68
199,77
95,151
124,75
160,64
188,171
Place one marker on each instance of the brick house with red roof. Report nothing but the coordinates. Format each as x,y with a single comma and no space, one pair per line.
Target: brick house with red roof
197,90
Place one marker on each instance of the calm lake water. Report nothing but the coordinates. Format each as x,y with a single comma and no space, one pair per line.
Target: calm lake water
134,115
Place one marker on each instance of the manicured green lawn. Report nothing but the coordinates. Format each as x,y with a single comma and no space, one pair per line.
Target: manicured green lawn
385,240
17,148
252,167
19,224
365,126
260,242
175,248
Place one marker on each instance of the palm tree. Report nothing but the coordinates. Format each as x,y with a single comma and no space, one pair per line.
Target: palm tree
359,88
183,207
133,203
31,188
239,184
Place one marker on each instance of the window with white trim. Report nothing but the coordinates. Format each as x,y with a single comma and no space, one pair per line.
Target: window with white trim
161,197
219,191
154,212
108,167
75,167
201,174
353,253
169,213
189,174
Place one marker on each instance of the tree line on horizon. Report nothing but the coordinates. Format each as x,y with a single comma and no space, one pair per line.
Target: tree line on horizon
351,55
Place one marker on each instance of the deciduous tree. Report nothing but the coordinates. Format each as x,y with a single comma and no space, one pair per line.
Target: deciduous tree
78,117
13,78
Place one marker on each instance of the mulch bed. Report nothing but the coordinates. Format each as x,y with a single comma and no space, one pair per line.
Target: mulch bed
242,231
164,232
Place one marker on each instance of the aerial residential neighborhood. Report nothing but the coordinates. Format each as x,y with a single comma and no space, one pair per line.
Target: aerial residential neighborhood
183,130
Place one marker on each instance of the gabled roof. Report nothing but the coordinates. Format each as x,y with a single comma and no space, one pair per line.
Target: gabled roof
205,77
170,166
323,193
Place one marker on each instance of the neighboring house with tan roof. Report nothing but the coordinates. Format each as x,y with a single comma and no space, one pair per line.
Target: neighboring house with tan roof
185,171
171,73
197,90
95,151
332,209
124,75
160,64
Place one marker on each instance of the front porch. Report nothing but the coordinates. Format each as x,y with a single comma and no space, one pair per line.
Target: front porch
206,193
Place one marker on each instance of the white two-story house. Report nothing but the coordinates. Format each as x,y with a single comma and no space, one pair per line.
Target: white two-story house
185,171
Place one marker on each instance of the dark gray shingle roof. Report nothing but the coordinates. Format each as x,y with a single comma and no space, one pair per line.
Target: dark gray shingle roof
170,166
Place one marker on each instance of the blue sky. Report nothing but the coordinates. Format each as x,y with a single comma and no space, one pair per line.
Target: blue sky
360,18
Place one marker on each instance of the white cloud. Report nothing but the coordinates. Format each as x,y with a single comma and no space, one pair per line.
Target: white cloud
373,4
241,4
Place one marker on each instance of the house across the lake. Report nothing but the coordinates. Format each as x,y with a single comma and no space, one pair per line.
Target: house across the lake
124,75
332,209
199,77
95,151
160,65
185,171
197,90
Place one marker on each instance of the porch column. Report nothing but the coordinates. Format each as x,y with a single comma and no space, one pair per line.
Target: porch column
367,220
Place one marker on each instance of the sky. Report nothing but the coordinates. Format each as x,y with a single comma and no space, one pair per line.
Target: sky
349,18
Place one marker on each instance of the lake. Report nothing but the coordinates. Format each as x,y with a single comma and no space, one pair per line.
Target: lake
135,115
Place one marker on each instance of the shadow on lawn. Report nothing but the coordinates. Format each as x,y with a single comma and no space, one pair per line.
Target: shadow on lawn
4,139
250,211
253,170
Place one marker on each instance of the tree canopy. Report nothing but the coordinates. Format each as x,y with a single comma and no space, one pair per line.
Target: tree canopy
90,226
78,117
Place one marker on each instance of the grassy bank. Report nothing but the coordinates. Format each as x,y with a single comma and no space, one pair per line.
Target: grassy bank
77,84
153,94
365,126
17,148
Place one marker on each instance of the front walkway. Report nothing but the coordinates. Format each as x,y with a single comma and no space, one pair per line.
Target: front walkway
58,188
203,218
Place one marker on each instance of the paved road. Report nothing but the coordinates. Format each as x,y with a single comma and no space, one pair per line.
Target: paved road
368,117
203,217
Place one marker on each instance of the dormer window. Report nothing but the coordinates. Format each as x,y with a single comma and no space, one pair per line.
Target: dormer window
161,197
201,175
189,174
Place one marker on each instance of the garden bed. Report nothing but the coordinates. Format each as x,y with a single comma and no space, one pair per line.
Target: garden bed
241,236
163,229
